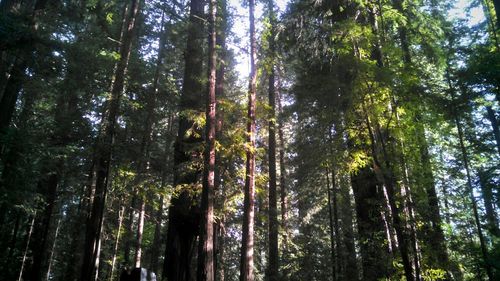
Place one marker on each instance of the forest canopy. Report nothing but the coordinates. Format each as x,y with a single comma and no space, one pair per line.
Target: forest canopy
249,140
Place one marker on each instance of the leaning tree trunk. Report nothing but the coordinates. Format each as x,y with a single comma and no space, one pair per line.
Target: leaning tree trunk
247,244
183,225
104,149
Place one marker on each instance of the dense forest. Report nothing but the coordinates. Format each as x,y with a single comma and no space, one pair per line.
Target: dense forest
300,140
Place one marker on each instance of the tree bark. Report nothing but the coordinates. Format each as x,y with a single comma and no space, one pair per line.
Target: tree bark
104,148
139,233
206,245
368,198
247,244
184,217
273,263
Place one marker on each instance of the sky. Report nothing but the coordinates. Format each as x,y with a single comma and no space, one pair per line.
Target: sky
241,26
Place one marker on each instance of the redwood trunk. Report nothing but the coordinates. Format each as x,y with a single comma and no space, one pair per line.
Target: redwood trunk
104,149
206,245
273,263
184,217
246,265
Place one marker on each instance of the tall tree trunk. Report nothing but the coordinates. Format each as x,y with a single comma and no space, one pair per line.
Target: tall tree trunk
184,217
247,243
104,148
439,255
206,245
470,188
482,242
273,263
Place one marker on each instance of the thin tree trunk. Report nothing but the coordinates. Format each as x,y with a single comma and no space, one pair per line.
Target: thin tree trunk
155,247
121,214
48,188
386,175
331,221
470,188
247,244
283,189
130,228
104,149
28,240
482,242
53,250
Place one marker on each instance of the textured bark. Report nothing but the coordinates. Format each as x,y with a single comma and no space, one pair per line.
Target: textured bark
368,198
104,148
247,244
273,263
206,270
184,217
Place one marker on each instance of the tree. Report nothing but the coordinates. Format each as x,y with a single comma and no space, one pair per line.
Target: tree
206,270
104,146
247,243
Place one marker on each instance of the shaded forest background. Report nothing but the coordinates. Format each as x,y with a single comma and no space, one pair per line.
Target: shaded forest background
364,145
